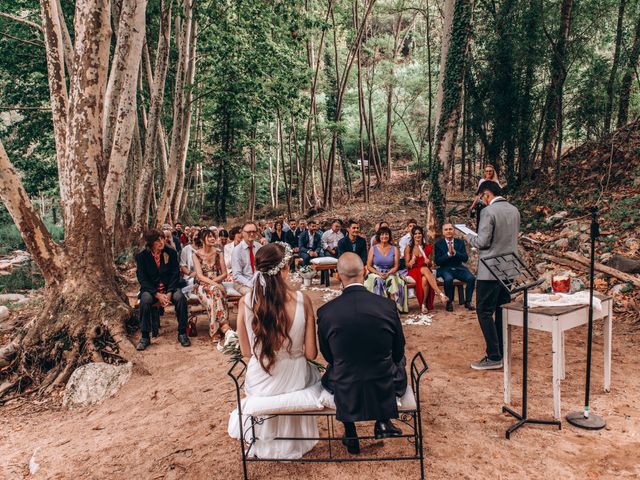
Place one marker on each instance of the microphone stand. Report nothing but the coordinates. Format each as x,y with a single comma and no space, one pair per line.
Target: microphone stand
586,419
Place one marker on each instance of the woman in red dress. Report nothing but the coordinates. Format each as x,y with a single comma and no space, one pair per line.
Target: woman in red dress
417,258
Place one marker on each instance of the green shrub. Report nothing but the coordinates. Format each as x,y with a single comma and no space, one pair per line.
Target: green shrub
21,278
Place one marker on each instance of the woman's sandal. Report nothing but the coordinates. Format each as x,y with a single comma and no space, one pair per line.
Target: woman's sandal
443,297
424,310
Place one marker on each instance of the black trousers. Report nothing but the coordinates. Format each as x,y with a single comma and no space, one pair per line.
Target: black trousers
146,311
490,295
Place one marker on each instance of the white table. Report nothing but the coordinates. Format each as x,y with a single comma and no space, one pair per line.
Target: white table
556,320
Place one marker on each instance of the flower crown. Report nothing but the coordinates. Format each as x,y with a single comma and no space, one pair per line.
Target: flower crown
288,253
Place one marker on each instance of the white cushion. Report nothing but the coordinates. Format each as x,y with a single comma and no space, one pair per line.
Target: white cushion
409,281
293,402
324,261
231,292
405,403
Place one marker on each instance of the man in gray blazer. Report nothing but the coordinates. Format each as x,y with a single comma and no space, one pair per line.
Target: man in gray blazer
497,235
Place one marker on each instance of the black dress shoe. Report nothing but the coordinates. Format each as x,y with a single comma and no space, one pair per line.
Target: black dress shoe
143,343
468,306
386,430
352,444
449,306
184,340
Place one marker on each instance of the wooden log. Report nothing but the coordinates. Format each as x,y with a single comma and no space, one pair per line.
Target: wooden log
625,277
565,262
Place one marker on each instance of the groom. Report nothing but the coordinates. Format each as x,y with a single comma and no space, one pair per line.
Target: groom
361,338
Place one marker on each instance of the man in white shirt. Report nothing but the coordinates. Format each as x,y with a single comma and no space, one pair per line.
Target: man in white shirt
235,235
243,259
330,239
405,240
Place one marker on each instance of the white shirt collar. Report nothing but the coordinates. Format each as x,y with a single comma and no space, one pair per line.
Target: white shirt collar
353,285
495,199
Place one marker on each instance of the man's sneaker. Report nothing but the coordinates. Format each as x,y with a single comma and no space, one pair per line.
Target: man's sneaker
487,364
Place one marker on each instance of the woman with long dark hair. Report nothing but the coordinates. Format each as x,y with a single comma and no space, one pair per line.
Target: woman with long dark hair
208,263
276,328
417,257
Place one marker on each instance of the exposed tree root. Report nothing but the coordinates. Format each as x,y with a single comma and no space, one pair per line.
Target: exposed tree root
78,325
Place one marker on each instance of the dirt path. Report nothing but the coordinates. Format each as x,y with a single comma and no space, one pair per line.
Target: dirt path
172,423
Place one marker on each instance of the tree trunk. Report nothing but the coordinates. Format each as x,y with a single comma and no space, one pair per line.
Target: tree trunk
156,83
83,298
553,120
627,78
448,105
614,67
122,107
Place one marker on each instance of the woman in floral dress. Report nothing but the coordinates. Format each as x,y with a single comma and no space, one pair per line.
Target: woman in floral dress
210,272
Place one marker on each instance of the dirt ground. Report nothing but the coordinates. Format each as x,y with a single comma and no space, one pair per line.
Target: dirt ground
173,422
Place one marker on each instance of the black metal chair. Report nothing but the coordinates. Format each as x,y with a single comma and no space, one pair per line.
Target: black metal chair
411,418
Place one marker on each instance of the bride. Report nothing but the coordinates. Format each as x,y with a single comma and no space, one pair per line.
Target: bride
276,328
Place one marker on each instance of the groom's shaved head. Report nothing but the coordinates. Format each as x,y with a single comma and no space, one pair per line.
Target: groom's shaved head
350,268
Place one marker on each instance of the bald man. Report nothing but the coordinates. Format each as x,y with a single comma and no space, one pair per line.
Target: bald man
361,338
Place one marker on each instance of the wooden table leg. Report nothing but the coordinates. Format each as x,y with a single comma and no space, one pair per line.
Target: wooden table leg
506,356
556,349
608,326
562,357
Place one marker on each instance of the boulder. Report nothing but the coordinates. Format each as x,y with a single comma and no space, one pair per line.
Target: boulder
631,243
4,313
617,289
577,285
561,243
557,216
568,232
624,264
93,383
6,298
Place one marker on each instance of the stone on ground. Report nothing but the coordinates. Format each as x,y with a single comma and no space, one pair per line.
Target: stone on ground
93,383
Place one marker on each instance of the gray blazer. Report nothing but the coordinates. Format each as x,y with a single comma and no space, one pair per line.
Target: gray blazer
498,233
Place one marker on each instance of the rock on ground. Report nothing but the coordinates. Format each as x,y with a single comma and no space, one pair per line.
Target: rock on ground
94,382
4,312
12,298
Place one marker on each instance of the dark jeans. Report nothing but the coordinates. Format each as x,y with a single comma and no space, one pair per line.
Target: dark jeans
449,274
490,295
146,311
306,258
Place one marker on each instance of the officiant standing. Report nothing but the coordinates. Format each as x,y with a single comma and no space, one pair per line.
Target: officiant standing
497,235
360,336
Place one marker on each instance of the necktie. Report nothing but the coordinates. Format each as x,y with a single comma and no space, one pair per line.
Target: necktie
252,258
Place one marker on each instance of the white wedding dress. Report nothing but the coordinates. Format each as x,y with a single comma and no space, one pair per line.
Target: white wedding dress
292,385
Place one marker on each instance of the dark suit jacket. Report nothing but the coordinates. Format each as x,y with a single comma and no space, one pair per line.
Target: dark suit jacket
150,276
442,258
361,338
303,243
346,245
286,237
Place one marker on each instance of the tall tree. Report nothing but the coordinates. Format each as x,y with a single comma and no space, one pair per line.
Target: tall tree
614,66
627,78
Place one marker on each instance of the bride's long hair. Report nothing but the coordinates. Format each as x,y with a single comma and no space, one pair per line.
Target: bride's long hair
270,319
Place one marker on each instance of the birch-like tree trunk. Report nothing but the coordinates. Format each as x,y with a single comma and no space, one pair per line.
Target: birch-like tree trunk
152,140
627,78
122,105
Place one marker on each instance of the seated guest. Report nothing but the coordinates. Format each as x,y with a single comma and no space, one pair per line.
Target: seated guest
185,236
382,264
450,254
280,235
374,239
187,269
310,243
243,262
158,272
417,257
361,338
223,239
353,242
169,240
277,329
302,227
210,273
293,228
330,239
235,237
406,238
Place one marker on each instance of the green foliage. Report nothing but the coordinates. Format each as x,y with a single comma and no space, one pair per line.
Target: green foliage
21,278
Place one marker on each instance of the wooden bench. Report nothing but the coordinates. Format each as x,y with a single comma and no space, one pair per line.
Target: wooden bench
411,419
